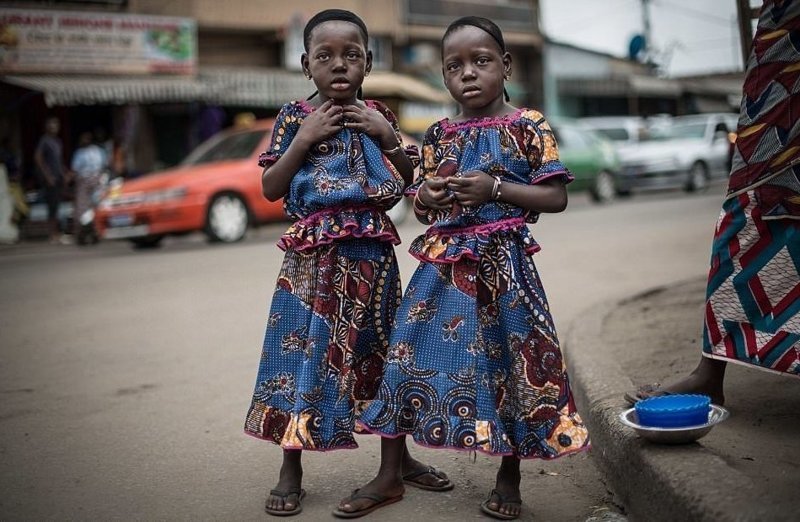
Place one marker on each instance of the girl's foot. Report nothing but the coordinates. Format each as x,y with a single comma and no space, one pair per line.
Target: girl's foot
422,476
380,491
505,501
286,497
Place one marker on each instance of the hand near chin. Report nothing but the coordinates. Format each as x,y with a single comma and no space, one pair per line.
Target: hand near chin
321,124
471,188
372,123
433,194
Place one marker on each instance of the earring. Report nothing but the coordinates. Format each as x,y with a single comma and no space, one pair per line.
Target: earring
308,76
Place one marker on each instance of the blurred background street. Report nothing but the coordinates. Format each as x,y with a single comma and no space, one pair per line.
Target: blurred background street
131,321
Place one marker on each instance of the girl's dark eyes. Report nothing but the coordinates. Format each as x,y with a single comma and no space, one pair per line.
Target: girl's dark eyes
452,66
482,60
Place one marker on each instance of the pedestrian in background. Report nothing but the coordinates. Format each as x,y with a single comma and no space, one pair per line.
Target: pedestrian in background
752,314
90,164
474,360
53,174
339,163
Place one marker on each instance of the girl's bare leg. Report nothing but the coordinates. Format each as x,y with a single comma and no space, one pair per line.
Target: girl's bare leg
290,479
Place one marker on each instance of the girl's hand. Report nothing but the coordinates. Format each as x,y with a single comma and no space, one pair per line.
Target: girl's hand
372,123
472,187
320,124
434,194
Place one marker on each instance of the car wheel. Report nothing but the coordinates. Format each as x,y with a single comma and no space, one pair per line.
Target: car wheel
698,178
399,212
227,218
604,188
153,241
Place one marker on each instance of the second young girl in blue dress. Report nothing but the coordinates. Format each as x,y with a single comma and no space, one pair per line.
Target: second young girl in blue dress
474,361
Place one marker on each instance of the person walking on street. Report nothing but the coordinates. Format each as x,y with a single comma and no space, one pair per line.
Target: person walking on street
53,175
89,163
474,361
338,163
752,314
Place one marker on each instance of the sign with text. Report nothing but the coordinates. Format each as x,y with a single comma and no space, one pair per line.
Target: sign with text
80,42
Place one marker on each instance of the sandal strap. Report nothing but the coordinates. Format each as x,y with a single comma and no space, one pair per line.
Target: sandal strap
503,499
431,470
284,494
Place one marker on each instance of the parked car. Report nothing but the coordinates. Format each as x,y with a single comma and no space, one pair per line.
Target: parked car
621,130
590,157
687,153
216,189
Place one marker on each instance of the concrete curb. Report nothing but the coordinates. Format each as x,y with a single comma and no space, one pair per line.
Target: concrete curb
653,482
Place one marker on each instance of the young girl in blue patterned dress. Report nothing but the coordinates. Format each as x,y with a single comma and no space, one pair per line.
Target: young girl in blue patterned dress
474,361
339,164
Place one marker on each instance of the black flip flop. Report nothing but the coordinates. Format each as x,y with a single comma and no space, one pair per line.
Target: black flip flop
410,479
503,500
301,493
380,501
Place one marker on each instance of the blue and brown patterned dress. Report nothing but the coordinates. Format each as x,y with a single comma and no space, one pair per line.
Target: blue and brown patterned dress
338,289
474,361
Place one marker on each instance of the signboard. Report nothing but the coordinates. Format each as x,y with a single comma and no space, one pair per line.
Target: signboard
44,41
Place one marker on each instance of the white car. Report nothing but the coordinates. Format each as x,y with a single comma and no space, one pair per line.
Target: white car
687,153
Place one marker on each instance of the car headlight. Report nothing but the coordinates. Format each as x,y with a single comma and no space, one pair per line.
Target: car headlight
162,196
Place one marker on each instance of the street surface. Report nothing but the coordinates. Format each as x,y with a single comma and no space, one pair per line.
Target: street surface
125,375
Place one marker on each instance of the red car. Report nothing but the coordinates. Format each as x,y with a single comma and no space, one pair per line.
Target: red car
216,189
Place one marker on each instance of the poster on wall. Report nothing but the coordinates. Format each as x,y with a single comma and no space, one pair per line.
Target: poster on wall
44,41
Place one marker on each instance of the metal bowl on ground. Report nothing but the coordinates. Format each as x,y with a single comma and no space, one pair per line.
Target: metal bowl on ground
681,435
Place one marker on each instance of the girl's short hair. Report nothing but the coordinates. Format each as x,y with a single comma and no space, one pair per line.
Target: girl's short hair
481,23
329,15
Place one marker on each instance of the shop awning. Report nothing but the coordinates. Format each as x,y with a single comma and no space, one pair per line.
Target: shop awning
233,86
67,90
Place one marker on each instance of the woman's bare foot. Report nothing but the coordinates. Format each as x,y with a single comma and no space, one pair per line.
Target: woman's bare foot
706,379
289,481
505,499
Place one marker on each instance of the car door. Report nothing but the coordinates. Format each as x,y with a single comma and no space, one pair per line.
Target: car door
577,154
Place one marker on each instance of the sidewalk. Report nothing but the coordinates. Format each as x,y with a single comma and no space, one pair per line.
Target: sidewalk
745,469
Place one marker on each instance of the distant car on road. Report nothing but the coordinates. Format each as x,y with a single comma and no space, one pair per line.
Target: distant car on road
216,189
688,153
589,156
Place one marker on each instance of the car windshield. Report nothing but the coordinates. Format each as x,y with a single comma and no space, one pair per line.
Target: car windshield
679,131
225,147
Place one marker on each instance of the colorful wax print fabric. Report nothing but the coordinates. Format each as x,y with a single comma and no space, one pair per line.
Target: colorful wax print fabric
753,294
328,328
474,361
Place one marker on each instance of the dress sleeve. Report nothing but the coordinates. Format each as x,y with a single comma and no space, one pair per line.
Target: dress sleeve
542,150
286,124
412,152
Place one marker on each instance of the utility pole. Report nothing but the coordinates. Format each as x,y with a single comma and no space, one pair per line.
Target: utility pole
646,32
746,15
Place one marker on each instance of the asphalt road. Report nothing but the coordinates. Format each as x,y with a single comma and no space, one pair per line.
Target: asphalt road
125,375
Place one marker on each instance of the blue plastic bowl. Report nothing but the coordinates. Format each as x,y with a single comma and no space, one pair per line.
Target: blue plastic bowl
674,411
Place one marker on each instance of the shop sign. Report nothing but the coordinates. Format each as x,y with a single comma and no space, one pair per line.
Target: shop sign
44,41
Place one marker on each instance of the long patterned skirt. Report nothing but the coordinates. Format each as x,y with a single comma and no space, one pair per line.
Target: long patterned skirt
753,296
325,343
474,361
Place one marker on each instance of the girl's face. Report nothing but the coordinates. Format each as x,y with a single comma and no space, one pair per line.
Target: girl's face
337,60
474,67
